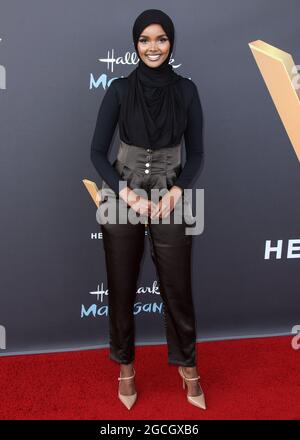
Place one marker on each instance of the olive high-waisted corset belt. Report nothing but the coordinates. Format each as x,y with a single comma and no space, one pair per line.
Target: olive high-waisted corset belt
171,253
146,169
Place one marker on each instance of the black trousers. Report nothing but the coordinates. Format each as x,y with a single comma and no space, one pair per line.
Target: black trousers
170,251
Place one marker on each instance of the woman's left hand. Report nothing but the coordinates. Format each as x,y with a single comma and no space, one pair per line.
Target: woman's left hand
167,203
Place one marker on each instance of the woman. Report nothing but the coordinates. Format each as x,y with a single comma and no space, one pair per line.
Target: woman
154,107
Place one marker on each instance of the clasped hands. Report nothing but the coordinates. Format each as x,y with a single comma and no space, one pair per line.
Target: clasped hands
147,207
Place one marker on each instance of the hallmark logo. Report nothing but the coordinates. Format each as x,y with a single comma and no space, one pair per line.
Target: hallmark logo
129,59
101,294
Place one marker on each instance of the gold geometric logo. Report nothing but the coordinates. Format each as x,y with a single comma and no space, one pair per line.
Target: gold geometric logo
93,190
283,82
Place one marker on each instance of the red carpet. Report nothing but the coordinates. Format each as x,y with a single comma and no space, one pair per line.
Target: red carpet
242,379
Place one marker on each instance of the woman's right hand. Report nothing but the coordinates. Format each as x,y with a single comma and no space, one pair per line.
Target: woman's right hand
139,204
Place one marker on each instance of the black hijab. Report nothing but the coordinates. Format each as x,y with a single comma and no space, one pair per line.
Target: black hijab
152,112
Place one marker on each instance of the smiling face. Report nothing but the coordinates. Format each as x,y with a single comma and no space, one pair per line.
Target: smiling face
153,45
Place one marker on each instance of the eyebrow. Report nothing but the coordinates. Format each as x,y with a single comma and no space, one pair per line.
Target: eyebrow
145,36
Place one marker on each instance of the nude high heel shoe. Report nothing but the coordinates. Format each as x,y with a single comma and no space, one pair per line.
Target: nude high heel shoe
128,400
194,400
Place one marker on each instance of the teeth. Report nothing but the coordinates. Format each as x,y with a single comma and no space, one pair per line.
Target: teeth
153,57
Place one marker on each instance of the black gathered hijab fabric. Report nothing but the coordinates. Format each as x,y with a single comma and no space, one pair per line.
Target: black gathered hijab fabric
152,112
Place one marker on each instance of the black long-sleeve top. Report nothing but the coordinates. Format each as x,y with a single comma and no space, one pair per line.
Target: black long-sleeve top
107,119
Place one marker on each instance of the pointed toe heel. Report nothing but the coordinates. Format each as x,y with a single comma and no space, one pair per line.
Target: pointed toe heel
127,400
194,400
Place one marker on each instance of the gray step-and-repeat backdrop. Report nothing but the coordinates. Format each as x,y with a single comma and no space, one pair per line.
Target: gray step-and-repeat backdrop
56,61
